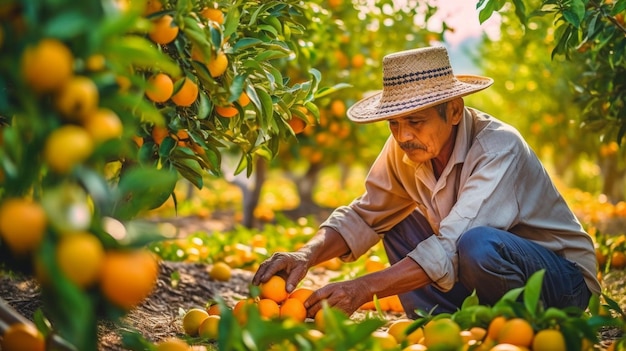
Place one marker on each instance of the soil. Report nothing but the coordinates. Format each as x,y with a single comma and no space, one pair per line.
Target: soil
159,317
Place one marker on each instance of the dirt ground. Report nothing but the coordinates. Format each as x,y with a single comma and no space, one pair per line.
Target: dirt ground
159,316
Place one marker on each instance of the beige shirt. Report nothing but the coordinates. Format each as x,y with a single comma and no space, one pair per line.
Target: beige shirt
492,179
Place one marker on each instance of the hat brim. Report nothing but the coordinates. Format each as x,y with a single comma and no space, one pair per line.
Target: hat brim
370,109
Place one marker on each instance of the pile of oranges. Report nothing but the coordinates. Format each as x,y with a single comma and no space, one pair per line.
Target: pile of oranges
275,302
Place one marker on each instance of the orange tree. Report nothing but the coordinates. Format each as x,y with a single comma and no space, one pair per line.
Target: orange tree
104,105
591,36
346,41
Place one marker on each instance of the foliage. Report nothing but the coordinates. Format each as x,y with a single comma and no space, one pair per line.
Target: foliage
590,33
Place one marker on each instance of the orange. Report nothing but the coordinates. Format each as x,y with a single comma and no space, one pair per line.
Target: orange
507,347
244,99
77,97
338,108
226,111
159,133
128,277
358,61
214,15
95,62
494,327
152,6
398,330
268,308
618,260
192,320
209,328
187,94
301,294
415,347
294,309
66,147
240,311
160,88
220,271
218,64
296,124
104,125
395,305
442,333
20,336
549,340
172,344
163,31
213,309
22,224
47,65
319,321
516,331
374,263
80,257
384,340
274,288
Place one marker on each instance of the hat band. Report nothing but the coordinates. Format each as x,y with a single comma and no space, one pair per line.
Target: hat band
417,76
407,105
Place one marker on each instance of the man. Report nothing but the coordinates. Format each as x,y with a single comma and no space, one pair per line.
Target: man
458,198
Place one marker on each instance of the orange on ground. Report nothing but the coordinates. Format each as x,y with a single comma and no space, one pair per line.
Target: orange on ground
384,340
226,111
618,260
20,336
301,294
374,263
507,347
293,308
274,288
268,308
218,64
494,327
77,98
104,125
319,321
22,224
549,340
192,320
209,328
128,277
173,344
187,94
296,124
415,347
66,147
220,271
516,331
80,257
240,311
163,31
213,309
47,65
214,15
398,330
160,88
442,333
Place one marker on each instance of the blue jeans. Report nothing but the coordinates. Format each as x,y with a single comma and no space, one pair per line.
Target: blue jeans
492,262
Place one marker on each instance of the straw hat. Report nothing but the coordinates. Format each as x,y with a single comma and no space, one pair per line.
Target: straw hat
414,80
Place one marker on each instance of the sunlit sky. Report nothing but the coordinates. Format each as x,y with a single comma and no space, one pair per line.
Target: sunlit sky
463,16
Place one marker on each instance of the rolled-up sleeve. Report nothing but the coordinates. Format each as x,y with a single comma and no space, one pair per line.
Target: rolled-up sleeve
359,236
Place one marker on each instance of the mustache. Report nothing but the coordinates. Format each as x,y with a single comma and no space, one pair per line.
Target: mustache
408,146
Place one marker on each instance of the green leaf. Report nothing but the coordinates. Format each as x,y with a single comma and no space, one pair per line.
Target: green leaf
67,25
532,292
487,11
142,189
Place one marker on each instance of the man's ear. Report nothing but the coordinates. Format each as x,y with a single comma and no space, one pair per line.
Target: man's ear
455,109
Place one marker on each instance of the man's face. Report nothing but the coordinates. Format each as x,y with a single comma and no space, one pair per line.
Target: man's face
423,134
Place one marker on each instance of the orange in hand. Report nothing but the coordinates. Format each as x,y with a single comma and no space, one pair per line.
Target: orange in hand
274,289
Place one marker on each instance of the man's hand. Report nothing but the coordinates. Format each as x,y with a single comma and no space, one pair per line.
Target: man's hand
292,266
346,296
